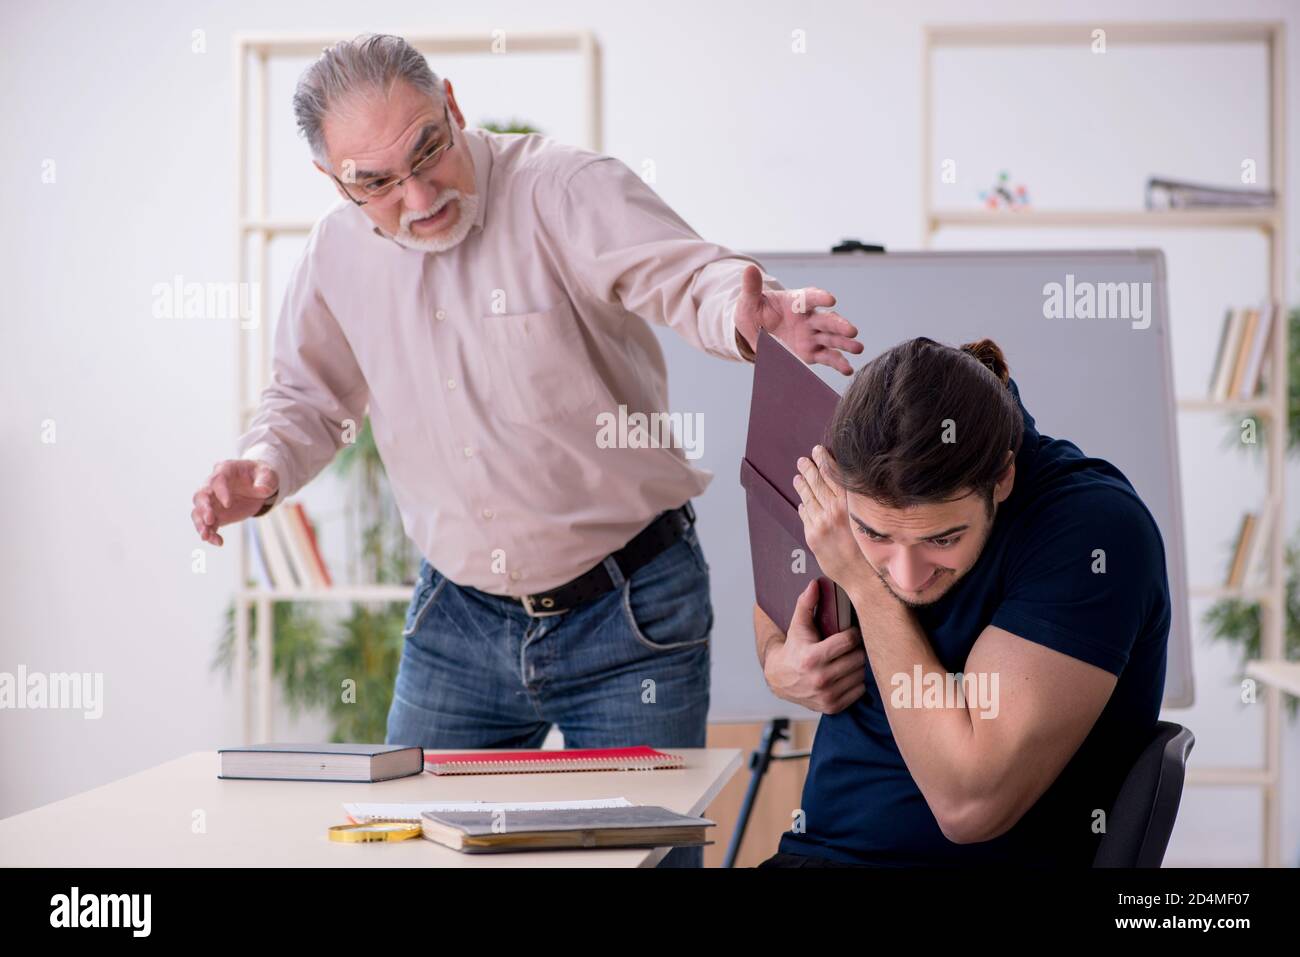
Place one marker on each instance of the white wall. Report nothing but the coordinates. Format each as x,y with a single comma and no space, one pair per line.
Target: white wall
755,146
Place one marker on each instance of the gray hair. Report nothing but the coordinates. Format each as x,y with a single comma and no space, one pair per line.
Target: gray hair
369,64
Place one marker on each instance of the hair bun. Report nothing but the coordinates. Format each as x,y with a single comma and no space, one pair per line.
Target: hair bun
989,354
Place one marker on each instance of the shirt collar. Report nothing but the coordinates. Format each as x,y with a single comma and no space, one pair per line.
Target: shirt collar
481,155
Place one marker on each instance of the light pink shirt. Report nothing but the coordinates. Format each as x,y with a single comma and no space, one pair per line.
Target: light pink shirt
483,368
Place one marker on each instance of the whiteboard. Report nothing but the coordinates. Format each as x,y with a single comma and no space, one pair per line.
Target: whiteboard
1101,383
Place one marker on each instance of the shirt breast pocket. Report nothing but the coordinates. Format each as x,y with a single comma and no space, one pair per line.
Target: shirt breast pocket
535,366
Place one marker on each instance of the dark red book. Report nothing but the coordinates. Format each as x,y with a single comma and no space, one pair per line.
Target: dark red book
789,412
315,557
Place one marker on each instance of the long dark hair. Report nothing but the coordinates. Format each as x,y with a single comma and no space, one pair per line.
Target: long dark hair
926,422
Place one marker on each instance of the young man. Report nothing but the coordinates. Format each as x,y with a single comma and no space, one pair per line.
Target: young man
1014,611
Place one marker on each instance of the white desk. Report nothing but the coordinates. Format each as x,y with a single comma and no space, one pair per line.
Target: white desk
1282,674
145,820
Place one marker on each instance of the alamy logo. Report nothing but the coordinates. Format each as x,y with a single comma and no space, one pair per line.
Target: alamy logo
656,430
1098,300
932,689
102,910
179,299
36,690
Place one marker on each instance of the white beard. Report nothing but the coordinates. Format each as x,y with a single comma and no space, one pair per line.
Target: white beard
468,203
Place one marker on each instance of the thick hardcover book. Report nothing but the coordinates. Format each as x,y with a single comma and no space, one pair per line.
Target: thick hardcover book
788,414
477,832
356,763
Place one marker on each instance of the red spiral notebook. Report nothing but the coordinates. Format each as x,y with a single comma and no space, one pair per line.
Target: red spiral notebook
789,412
532,762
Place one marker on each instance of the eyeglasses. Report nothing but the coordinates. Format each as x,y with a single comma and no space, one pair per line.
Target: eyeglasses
384,190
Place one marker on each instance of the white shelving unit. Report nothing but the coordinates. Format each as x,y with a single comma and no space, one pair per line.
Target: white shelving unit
254,228
1272,671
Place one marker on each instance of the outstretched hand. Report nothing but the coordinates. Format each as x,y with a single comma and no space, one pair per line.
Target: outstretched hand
789,314
236,490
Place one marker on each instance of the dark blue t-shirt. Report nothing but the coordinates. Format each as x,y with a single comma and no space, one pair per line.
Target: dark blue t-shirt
1035,578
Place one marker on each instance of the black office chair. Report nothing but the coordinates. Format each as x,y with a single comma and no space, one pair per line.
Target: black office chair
1142,817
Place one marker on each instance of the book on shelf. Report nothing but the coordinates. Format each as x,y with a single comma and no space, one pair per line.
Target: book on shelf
284,530
1243,345
300,539
1258,350
1256,573
288,550
1236,383
318,565
261,571
1240,552
1215,370
1250,563
277,562
1162,193
1227,360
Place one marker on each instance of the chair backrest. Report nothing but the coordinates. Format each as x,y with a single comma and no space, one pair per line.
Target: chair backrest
1142,817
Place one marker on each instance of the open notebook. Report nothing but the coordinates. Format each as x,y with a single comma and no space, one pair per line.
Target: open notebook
370,813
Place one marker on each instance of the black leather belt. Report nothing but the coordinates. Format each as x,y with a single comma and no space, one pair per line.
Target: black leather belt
648,543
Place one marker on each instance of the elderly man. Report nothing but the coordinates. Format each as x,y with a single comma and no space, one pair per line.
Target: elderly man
484,298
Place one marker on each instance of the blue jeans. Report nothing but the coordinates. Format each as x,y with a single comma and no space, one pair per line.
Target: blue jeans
628,668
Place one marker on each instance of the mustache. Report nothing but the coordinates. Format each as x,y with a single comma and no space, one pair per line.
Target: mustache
412,215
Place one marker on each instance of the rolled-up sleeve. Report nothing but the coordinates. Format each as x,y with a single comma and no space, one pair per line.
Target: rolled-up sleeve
625,244
316,387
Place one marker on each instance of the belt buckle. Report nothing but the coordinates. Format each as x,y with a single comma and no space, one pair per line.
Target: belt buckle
527,602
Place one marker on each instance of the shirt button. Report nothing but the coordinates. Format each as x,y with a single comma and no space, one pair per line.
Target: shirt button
514,576
451,383
440,315
469,453
488,513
